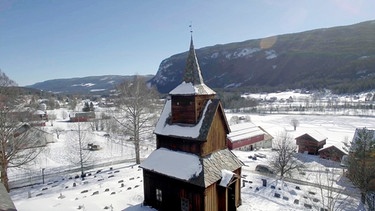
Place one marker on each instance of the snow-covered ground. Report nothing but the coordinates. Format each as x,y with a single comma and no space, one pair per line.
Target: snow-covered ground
121,187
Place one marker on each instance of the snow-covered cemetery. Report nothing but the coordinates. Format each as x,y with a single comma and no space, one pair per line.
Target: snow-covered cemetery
295,150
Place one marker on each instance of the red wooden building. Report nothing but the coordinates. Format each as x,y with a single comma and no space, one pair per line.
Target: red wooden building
248,136
331,153
192,168
310,142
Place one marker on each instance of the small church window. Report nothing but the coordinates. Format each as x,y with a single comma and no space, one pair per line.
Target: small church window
184,204
159,195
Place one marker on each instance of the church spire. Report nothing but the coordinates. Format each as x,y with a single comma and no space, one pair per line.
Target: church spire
192,83
192,72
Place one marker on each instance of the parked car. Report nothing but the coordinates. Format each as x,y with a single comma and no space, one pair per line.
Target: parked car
264,169
260,155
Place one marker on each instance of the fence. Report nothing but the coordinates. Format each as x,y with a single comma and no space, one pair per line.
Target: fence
52,174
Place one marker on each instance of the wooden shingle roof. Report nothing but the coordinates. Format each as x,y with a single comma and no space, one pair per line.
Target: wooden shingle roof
217,161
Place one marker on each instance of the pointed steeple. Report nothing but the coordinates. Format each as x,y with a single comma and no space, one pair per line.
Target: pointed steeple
192,83
192,72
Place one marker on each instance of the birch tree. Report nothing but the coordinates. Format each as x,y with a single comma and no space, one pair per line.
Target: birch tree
136,111
284,161
77,146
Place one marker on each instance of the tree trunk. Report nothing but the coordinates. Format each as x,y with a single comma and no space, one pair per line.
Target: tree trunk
4,176
137,153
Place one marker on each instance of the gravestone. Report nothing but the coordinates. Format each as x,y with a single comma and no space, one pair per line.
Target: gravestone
264,182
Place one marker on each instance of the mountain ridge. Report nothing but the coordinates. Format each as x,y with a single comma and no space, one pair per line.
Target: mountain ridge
340,58
84,85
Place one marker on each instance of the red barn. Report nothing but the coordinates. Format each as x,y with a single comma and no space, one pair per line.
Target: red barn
247,136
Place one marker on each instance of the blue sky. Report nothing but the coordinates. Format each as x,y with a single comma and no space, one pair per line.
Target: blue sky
49,39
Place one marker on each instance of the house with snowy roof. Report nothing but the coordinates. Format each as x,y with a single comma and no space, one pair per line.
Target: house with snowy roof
331,153
310,142
247,136
192,167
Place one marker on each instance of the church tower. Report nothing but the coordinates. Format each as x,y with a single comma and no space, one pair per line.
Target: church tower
192,168
189,98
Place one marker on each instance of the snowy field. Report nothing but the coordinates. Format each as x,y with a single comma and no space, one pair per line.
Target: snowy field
121,187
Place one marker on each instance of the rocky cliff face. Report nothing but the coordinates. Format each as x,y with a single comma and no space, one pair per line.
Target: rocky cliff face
338,58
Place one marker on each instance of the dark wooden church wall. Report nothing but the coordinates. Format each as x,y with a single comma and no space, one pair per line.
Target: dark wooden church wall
172,192
177,144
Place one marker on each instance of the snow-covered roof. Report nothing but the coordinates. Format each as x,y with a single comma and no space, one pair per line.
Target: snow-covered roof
226,177
188,88
243,131
190,168
198,131
329,147
314,134
180,165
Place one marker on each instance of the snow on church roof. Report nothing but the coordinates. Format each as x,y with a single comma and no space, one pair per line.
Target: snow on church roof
188,131
180,165
190,89
226,177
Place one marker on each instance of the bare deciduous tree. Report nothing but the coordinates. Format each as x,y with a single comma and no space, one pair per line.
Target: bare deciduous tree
77,145
294,123
136,110
284,161
333,198
15,140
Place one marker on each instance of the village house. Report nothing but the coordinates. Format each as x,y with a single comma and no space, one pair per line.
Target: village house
192,168
81,116
247,136
35,137
331,153
310,142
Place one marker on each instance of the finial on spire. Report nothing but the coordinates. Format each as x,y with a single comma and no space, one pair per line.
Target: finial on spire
191,28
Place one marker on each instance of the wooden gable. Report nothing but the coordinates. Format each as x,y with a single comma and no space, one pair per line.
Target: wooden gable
217,133
309,144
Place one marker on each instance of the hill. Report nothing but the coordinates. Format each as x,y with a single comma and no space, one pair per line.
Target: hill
339,58
84,85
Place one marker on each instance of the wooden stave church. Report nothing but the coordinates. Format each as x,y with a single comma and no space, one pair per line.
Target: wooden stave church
193,107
